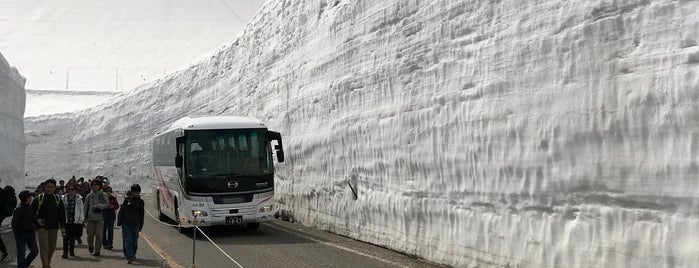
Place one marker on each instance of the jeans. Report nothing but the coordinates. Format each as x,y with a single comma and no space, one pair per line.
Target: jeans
47,245
108,233
23,241
130,235
94,234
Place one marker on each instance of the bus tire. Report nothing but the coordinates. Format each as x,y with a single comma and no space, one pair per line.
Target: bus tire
253,226
161,216
180,229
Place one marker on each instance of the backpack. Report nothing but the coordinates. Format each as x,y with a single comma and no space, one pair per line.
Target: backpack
41,202
9,202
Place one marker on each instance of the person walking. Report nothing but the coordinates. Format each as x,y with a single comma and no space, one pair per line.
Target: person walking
131,219
109,218
95,202
23,225
79,189
75,218
8,203
50,214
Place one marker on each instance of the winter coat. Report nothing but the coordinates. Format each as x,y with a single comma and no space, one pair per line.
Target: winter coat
95,200
24,220
79,209
110,213
131,212
51,210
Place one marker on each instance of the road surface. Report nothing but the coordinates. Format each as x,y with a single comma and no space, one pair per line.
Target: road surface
275,244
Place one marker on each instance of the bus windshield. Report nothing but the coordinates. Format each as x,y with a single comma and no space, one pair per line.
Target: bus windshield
212,154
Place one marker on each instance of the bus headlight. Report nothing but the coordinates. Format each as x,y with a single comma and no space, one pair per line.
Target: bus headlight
199,213
266,209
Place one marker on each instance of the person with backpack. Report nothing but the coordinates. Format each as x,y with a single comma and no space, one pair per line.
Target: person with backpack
9,203
50,214
23,225
131,219
75,217
95,203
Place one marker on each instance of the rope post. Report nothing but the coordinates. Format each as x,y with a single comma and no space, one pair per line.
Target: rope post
194,237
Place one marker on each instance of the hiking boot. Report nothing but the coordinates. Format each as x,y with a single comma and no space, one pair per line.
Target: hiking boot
5,257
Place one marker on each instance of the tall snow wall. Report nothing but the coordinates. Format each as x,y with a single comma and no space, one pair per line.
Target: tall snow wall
475,133
12,147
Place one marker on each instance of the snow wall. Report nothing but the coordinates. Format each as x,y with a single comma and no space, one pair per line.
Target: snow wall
12,101
475,133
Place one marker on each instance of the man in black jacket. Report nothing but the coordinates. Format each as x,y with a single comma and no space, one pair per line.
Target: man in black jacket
50,214
131,218
23,222
8,203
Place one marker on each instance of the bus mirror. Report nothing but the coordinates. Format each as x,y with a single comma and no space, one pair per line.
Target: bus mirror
280,156
178,161
271,135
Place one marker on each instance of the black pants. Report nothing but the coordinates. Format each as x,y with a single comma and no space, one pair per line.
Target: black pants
69,239
3,249
78,232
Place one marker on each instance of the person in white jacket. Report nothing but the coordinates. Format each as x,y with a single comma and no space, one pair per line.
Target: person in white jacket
75,217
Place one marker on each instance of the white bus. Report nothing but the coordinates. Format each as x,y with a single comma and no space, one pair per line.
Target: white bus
219,167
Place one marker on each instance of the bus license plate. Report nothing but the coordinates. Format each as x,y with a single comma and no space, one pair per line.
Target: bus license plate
234,219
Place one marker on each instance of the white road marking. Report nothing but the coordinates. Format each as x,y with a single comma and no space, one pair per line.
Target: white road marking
284,229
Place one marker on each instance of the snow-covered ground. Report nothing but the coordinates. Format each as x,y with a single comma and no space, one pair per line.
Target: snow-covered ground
477,133
105,45
12,99
44,102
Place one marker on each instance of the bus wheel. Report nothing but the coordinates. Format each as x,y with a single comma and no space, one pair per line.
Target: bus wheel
181,229
161,216
253,226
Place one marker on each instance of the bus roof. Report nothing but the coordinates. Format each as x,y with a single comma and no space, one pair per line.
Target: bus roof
216,122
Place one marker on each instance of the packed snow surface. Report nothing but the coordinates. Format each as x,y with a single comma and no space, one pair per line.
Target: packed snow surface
113,45
476,133
12,98
44,102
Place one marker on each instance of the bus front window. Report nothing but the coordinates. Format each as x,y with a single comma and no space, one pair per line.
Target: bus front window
224,153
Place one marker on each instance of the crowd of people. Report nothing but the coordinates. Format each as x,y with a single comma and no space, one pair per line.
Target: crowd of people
69,208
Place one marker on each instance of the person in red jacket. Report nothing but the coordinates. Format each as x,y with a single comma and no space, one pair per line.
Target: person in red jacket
109,218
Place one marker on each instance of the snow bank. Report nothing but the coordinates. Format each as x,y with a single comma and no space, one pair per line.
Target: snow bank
12,99
45,102
476,133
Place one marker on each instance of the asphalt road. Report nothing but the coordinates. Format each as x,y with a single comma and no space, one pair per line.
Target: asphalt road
276,244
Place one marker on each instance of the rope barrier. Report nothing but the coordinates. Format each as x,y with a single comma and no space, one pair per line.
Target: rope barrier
202,232
159,221
219,248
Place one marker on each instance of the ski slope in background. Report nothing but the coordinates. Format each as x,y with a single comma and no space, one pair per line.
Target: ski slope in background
100,45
